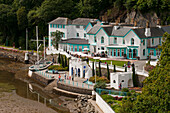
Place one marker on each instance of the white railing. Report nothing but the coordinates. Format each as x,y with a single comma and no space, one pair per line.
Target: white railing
103,105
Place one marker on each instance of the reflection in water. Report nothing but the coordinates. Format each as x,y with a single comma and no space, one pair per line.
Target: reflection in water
22,90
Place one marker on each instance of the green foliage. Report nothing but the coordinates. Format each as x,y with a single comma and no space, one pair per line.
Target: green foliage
108,73
125,90
58,36
114,70
100,72
93,71
107,97
134,77
99,79
59,58
155,94
57,67
100,84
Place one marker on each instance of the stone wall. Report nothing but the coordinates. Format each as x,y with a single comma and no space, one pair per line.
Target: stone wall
41,80
74,89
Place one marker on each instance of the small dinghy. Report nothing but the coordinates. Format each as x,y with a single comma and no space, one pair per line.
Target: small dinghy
40,66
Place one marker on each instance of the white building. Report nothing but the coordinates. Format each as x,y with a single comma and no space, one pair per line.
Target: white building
116,40
123,78
79,68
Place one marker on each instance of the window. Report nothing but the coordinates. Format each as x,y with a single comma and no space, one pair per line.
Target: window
75,48
158,52
63,35
152,41
63,26
132,41
71,48
114,81
51,25
84,34
122,52
55,25
95,39
122,80
80,48
160,41
123,41
151,52
77,34
114,52
77,26
102,48
102,39
110,52
118,52
143,42
143,52
115,40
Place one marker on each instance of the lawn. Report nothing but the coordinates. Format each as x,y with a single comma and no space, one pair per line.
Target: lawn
114,62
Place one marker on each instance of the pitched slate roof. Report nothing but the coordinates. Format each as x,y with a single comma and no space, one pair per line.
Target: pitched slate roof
155,32
61,20
75,41
120,31
94,29
83,21
166,29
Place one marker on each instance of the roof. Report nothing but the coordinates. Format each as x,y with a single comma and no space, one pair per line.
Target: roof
94,29
120,32
83,21
61,20
166,29
75,41
108,30
155,32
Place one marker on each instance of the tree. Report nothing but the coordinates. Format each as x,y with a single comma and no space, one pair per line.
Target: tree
22,18
100,72
108,73
59,58
114,68
155,93
125,68
134,76
57,37
93,73
62,61
65,61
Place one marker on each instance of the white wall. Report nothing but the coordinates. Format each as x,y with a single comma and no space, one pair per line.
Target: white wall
103,105
118,77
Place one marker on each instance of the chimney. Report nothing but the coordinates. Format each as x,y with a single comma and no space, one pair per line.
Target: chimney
158,23
132,20
147,30
135,25
116,26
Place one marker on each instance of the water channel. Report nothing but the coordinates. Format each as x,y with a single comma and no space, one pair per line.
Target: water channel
23,91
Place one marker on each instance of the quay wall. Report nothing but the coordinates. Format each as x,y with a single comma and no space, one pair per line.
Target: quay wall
74,89
41,80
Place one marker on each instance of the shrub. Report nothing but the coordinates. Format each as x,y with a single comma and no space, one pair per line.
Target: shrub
57,67
104,92
125,90
129,94
100,84
99,79
110,101
107,97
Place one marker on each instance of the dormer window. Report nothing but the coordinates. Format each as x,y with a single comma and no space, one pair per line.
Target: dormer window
132,41
77,34
123,41
102,39
152,41
77,26
115,40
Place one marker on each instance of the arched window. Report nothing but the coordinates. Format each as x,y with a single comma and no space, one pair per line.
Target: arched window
102,39
143,52
132,41
114,81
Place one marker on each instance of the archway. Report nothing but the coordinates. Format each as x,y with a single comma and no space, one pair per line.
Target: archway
78,72
134,53
130,83
130,53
